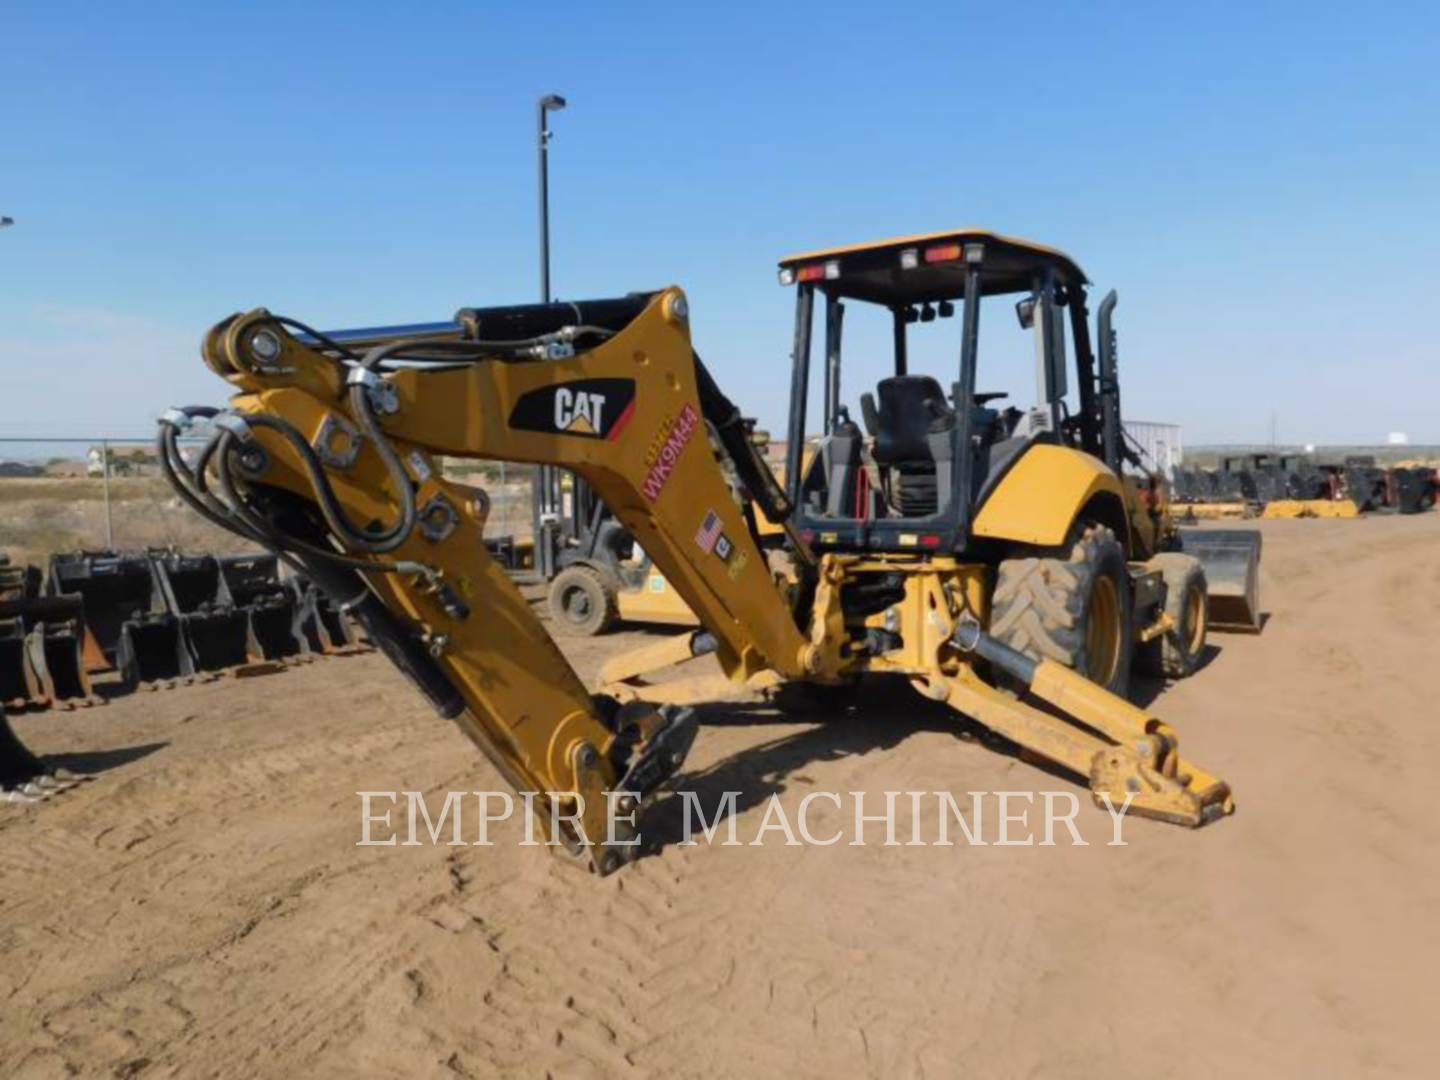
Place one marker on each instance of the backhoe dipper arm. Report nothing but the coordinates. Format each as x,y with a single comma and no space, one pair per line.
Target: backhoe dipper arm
328,455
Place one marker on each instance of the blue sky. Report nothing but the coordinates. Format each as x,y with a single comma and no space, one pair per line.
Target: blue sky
1260,181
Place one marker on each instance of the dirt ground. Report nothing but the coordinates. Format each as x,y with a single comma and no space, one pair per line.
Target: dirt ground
201,909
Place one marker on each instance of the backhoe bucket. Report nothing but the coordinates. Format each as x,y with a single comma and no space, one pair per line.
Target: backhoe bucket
272,628
115,588
214,631
48,631
57,654
18,685
323,626
151,650
1231,558
254,584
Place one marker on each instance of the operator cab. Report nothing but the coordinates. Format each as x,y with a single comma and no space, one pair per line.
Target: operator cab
907,463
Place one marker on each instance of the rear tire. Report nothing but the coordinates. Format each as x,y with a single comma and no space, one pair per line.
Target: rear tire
582,603
1075,611
1176,654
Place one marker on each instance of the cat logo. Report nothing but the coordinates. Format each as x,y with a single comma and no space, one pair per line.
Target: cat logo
589,408
578,412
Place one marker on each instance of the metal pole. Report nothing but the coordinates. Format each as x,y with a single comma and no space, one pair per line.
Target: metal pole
544,137
547,104
547,498
105,483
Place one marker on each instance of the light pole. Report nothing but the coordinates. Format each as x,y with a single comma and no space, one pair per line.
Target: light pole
547,503
548,104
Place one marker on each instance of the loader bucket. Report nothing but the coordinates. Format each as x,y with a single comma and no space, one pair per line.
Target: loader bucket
18,685
115,588
152,649
1231,558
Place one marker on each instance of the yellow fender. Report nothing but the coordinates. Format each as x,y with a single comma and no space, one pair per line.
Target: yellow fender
1038,500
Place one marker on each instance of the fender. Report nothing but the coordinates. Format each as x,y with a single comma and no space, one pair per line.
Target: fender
1044,491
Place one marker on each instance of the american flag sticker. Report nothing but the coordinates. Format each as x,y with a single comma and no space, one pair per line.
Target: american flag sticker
709,532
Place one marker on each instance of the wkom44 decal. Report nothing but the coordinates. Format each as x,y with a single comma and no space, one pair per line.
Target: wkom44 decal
590,408
665,452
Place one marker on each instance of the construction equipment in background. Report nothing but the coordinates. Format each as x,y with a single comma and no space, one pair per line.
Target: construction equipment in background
1415,487
1297,486
995,550
154,618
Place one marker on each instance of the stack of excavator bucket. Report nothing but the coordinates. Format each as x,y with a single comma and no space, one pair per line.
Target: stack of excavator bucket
40,644
253,585
128,625
320,623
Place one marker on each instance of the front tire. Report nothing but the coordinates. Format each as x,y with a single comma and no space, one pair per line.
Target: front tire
1075,611
1176,654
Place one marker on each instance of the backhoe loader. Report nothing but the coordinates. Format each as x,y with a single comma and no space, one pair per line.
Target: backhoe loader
997,560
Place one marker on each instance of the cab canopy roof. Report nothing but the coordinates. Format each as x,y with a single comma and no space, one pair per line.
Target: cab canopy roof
927,267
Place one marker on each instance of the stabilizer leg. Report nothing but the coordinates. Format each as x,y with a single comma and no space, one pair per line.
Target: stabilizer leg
1122,751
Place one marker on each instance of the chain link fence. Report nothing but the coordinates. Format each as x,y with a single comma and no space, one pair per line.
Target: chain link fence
63,495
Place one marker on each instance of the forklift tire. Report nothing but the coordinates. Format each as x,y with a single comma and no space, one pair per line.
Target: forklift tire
1176,654
1075,611
582,602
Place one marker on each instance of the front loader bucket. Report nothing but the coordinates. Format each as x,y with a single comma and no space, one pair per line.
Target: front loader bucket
153,650
1231,558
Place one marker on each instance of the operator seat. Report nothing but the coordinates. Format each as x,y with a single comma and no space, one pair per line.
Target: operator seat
913,428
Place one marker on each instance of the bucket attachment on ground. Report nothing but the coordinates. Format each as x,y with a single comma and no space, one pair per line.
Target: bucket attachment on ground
1231,558
324,627
18,685
48,632
214,630
254,585
115,588
151,650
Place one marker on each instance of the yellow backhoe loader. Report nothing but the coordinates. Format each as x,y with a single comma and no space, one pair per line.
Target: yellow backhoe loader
998,560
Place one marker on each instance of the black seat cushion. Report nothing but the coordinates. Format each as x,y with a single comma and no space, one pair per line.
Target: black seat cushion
911,408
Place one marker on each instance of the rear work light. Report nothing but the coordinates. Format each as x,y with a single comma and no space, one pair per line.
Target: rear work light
909,258
942,253
787,276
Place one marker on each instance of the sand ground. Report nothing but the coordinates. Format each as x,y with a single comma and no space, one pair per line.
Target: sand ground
201,909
